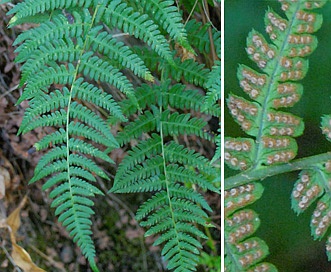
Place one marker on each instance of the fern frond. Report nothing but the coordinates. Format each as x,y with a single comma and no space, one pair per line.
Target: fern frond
175,96
99,69
176,153
191,71
274,88
58,50
154,166
67,58
142,124
169,18
48,32
43,79
188,70
213,86
138,25
107,45
30,8
177,124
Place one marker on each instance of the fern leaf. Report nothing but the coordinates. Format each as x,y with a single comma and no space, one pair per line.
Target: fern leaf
168,17
144,123
282,63
42,80
30,8
79,54
118,14
191,71
47,32
274,88
58,50
175,96
176,124
213,86
98,69
107,45
244,253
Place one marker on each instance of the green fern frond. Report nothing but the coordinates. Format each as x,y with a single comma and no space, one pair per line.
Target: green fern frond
138,25
59,50
191,71
48,32
30,8
90,93
143,123
163,167
213,86
175,96
188,70
169,18
107,45
176,153
42,80
139,153
67,58
99,69
198,37
177,124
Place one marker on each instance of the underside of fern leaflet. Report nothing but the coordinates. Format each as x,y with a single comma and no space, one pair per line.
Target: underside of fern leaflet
283,63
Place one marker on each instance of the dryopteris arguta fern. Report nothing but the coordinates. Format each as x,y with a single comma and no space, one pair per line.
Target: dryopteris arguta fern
282,63
67,57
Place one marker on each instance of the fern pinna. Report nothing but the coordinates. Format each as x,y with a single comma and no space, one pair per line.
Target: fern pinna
281,64
161,165
68,56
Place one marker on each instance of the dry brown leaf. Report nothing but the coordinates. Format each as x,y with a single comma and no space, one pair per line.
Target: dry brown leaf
23,259
4,181
19,255
14,219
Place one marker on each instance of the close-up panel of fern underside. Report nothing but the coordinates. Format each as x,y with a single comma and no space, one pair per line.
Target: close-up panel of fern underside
73,50
272,87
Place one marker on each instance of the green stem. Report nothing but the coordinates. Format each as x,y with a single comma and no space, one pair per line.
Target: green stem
268,171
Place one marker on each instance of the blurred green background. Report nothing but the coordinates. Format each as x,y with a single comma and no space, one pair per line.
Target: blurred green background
288,235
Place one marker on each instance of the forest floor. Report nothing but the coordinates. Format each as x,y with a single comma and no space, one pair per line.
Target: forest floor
120,242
